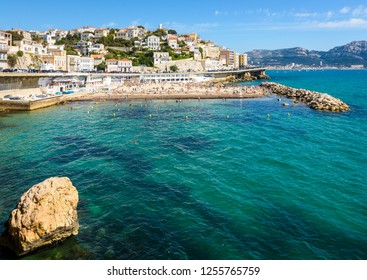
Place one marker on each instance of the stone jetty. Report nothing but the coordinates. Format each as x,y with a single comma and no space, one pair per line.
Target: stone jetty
45,215
314,100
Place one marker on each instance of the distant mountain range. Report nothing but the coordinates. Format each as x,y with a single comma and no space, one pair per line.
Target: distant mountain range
354,53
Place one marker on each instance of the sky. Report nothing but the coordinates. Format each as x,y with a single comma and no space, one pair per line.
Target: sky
239,25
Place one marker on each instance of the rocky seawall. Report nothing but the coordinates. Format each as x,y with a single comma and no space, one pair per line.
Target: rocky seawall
314,100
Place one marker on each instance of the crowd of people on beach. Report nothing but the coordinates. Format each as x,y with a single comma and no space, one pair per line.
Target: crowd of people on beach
169,90
185,88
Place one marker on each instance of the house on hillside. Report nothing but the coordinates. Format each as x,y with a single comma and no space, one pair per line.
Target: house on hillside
153,43
172,41
5,43
123,65
100,32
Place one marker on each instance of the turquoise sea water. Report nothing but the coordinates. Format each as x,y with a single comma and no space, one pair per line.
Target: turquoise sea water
206,187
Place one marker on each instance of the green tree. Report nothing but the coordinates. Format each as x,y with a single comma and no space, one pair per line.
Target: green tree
201,52
12,60
102,66
181,43
37,39
160,33
143,58
20,53
70,51
15,36
173,68
171,31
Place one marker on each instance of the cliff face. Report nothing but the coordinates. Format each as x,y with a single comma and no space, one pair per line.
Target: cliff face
350,54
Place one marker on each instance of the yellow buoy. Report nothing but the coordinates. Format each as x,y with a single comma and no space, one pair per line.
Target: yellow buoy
150,115
227,117
268,116
187,117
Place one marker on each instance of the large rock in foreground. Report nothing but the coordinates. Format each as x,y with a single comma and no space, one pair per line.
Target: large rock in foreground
45,214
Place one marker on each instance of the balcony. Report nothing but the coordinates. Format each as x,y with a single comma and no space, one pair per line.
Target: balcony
3,47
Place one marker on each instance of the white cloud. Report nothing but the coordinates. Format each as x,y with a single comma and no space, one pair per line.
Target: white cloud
135,22
329,14
186,28
344,10
358,23
359,11
110,24
303,15
220,13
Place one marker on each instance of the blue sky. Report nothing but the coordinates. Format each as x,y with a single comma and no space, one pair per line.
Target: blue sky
239,25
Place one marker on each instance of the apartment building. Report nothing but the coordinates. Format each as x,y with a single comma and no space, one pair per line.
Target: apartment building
5,43
124,65
153,43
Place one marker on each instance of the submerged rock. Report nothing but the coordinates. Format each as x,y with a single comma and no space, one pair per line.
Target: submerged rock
45,214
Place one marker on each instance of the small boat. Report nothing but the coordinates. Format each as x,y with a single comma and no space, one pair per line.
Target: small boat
68,92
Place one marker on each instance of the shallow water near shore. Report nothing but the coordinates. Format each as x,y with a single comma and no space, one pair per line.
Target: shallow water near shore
224,183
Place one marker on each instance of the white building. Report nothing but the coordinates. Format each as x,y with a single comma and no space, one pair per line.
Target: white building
100,32
131,32
123,65
83,46
211,64
60,34
85,64
172,41
47,67
153,43
161,57
97,48
86,36
72,63
49,39
29,46
5,43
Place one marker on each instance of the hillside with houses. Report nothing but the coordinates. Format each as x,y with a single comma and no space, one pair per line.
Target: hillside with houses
125,50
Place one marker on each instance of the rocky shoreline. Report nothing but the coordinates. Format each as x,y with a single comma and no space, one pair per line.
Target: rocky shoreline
314,100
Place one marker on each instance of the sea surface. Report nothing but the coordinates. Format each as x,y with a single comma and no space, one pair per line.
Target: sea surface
225,182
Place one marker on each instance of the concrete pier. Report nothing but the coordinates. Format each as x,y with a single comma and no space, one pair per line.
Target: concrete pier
29,105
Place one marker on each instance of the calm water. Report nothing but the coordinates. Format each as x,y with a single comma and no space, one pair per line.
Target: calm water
209,187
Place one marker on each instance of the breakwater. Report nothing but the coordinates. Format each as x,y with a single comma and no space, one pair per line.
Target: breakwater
314,100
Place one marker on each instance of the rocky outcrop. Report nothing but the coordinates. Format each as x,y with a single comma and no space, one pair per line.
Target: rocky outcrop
45,214
315,100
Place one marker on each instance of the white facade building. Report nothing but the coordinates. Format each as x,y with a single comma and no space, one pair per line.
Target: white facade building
130,33
161,57
47,67
83,46
86,36
172,41
100,32
123,65
85,64
153,43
